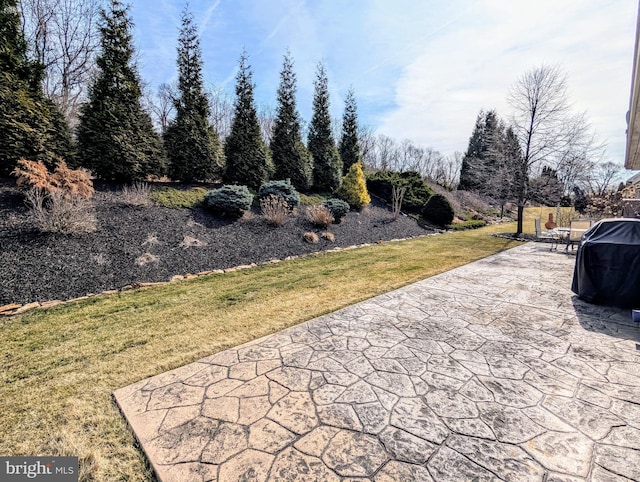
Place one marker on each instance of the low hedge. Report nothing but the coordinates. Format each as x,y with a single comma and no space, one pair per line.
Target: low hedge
471,224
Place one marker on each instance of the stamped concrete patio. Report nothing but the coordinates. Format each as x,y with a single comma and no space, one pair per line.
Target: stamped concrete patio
492,371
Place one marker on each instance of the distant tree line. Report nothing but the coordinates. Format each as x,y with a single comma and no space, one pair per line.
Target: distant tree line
546,154
53,85
115,136
90,87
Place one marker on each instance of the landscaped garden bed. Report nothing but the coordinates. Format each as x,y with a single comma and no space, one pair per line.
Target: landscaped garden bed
133,244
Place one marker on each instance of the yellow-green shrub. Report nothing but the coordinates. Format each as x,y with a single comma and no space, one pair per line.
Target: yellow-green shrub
354,188
169,197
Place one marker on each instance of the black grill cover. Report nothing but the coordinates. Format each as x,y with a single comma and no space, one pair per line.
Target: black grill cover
607,267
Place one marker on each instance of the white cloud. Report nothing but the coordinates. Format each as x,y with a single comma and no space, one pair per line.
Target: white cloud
471,65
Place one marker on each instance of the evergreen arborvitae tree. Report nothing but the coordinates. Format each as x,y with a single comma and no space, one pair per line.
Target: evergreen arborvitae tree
193,149
116,139
327,166
291,158
349,146
479,163
31,126
474,149
248,161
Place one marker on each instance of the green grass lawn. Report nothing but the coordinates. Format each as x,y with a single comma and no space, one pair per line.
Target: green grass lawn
61,365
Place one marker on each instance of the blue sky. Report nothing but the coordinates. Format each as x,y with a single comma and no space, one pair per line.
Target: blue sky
421,69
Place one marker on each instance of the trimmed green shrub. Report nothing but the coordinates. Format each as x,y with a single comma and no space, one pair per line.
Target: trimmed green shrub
471,224
416,195
438,210
354,188
232,200
337,207
281,189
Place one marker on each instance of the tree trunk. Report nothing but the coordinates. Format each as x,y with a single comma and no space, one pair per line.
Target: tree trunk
520,218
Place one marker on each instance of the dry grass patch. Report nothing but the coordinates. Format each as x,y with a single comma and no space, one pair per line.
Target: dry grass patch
191,242
311,237
275,209
328,236
99,258
55,212
136,194
146,258
319,215
60,366
152,240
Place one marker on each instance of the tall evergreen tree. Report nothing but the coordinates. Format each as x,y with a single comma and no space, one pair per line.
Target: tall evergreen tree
194,151
31,126
248,162
479,163
349,146
474,149
502,163
291,158
13,47
116,139
327,165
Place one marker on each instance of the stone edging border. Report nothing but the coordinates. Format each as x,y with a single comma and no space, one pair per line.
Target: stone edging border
13,309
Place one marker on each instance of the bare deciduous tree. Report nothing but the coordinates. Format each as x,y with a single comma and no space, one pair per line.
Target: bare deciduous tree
447,170
386,153
539,102
581,153
63,37
221,107
266,119
603,177
160,105
367,141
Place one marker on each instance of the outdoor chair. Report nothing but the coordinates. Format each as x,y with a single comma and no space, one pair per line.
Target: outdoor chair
542,235
576,229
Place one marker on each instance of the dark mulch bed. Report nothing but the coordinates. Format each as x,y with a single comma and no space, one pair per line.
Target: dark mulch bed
36,266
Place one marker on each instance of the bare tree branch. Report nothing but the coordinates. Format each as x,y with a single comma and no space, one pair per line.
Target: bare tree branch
221,107
540,106
63,37
603,178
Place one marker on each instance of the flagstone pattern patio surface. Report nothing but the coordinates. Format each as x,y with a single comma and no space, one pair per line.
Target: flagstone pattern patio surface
492,371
